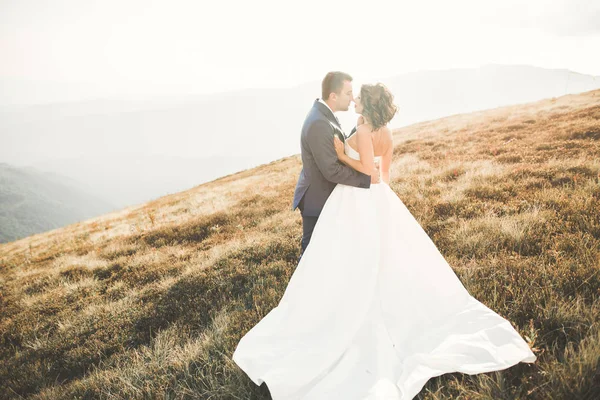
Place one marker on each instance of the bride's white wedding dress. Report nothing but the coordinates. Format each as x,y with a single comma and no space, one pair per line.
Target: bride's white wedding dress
373,311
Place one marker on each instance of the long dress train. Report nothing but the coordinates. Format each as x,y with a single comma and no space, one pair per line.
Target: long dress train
373,311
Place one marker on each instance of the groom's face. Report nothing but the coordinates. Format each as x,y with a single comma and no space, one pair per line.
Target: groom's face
344,98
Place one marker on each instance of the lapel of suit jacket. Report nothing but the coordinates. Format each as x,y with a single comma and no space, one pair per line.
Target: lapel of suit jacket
330,117
351,132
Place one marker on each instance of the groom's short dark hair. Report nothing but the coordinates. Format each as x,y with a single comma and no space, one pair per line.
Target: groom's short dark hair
333,83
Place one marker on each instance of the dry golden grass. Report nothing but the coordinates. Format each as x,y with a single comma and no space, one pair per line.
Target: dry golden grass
150,301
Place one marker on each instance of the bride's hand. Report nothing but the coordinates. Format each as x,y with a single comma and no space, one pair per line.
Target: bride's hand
339,147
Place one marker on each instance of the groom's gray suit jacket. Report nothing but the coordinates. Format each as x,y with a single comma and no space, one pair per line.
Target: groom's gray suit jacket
321,169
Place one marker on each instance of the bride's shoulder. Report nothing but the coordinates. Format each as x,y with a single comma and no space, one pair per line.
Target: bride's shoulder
386,131
367,129
364,129
384,137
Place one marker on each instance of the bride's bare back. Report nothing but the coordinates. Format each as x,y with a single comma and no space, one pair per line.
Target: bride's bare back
383,146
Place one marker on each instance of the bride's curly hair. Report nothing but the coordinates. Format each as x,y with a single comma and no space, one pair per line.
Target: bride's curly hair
378,106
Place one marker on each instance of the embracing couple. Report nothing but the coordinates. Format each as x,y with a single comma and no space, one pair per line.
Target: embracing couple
372,310
324,146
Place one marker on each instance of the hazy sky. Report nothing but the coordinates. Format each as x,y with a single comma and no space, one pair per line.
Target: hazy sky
129,47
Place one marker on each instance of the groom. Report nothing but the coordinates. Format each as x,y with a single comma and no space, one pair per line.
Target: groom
321,169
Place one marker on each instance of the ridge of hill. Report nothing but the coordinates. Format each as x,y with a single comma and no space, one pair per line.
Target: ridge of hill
150,301
33,201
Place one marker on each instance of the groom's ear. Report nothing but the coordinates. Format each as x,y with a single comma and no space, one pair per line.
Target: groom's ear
332,96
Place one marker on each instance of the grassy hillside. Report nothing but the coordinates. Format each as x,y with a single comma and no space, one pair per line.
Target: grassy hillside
149,302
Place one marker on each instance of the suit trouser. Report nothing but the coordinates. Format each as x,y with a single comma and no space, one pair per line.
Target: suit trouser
308,225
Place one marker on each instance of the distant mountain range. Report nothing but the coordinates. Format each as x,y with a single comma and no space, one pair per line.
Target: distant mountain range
32,201
427,95
132,151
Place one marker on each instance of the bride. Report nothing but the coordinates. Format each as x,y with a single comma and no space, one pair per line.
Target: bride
373,310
